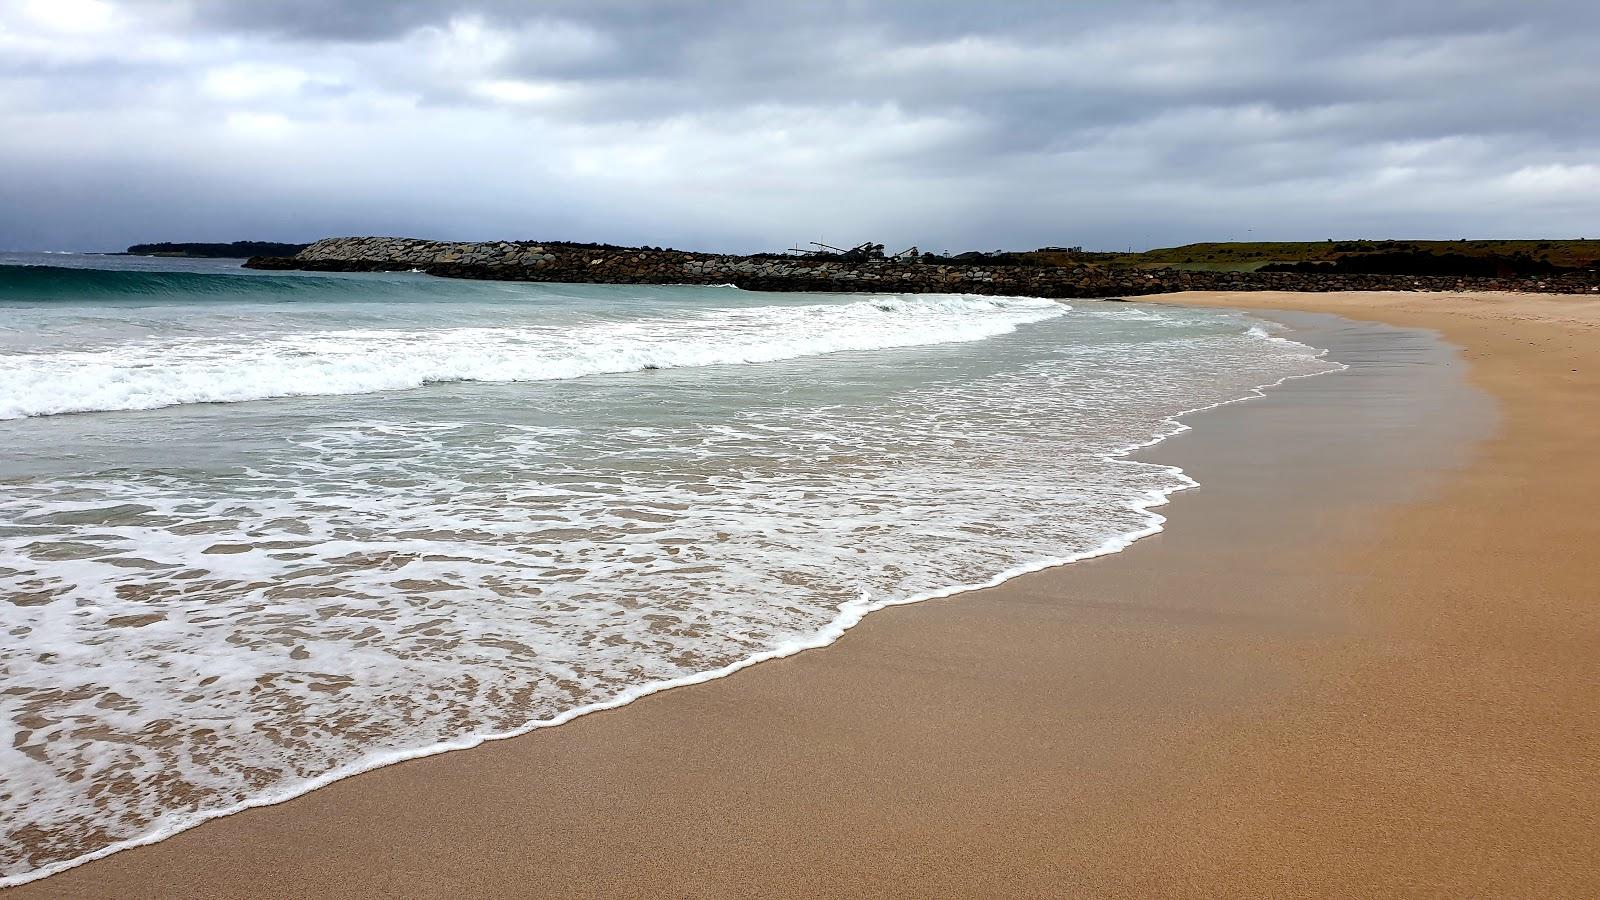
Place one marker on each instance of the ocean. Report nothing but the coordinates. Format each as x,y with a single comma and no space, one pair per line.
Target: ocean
262,531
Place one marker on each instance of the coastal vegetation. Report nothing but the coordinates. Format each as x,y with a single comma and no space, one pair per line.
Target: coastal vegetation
1462,257
234,250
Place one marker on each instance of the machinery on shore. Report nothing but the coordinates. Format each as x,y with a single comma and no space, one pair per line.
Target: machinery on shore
859,253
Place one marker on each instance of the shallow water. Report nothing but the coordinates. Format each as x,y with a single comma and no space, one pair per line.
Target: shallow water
257,531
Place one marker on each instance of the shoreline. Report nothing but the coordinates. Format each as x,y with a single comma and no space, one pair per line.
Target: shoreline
790,749
849,616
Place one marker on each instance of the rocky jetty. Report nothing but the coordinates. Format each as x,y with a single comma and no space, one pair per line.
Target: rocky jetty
557,262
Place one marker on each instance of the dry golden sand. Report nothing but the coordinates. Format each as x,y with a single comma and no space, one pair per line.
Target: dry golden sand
1455,749
1363,660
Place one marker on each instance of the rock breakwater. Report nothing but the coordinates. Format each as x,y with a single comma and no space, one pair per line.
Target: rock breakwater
557,262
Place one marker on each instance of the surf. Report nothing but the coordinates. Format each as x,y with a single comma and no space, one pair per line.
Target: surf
263,356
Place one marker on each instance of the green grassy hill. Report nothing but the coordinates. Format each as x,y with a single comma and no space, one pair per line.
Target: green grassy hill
1244,257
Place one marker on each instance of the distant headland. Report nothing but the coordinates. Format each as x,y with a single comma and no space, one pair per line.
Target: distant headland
235,250
1553,266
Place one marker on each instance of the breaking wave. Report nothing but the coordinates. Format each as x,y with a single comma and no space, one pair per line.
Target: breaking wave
163,372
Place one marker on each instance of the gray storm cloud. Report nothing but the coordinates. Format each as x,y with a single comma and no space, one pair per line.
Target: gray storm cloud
754,125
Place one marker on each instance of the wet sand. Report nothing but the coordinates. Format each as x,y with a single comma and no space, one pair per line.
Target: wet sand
1364,659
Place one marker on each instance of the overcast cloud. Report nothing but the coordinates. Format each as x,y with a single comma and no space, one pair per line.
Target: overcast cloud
745,126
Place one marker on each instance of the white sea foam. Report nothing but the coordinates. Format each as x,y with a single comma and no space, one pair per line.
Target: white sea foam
162,372
366,590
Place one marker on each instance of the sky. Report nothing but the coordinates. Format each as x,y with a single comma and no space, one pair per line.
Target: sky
758,125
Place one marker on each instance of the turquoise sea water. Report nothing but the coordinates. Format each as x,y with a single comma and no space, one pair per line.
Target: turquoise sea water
259,531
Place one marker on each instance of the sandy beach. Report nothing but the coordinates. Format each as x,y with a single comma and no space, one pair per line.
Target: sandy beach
1362,660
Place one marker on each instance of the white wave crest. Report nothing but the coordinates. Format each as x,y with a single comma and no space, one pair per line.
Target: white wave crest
153,374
